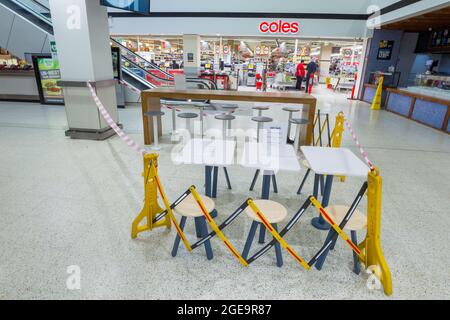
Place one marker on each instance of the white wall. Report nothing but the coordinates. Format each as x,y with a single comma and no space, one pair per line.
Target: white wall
415,9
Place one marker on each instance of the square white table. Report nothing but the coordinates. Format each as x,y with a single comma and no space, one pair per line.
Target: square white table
330,162
212,153
269,158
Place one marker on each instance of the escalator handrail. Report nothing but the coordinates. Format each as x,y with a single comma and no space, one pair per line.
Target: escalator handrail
141,80
140,57
145,71
33,12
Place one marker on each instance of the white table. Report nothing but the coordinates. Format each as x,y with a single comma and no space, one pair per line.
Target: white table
212,153
269,158
332,162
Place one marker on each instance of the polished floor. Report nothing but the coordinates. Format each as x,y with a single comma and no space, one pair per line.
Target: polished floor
71,203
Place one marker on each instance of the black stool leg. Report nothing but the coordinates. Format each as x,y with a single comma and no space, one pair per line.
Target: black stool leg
254,179
227,177
303,181
250,237
274,182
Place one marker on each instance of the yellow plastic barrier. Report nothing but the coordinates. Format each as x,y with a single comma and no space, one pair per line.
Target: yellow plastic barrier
376,103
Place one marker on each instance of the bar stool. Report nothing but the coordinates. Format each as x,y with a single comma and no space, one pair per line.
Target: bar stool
260,120
188,116
290,110
226,118
229,108
260,110
299,122
155,115
189,208
274,213
357,222
201,106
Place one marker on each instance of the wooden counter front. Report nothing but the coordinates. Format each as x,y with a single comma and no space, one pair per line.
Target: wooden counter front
151,101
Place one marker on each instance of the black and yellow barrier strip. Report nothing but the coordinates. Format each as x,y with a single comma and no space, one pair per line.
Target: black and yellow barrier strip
276,235
170,212
283,232
224,224
338,229
172,206
216,228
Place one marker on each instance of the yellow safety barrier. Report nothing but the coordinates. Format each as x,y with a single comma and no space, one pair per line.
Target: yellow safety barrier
216,228
372,255
335,226
276,235
376,103
151,209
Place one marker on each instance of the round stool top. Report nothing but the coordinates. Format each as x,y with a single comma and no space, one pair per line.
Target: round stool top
154,113
299,121
262,119
306,163
225,117
272,211
225,105
200,105
187,115
261,108
358,221
291,109
190,208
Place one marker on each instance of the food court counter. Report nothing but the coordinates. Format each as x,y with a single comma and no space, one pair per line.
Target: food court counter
18,85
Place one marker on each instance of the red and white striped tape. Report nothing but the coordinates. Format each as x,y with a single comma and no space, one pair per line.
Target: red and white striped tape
361,150
130,87
125,138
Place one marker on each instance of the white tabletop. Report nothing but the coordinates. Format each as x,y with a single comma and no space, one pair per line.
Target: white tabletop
211,152
334,161
269,157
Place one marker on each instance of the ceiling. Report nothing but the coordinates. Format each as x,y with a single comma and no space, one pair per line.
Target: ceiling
438,19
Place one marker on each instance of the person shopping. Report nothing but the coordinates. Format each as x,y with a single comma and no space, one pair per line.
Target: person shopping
300,74
311,69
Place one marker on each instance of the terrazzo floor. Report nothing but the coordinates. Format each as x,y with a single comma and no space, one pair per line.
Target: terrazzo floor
71,202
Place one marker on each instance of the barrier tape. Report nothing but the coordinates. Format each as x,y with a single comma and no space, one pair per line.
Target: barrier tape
335,226
344,221
276,235
125,138
169,210
216,228
132,88
361,150
172,206
288,227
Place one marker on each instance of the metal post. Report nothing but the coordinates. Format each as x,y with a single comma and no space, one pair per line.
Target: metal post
297,138
155,134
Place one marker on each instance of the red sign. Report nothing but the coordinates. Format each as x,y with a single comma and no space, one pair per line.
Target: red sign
279,26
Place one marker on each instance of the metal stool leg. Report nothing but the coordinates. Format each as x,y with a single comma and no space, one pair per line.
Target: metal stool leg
258,131
204,232
250,237
174,120
201,122
278,249
274,182
297,138
227,177
215,176
303,181
288,138
188,125
254,179
355,256
322,184
176,244
155,134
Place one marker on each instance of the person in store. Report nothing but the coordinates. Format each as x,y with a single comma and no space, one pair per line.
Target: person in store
300,74
311,69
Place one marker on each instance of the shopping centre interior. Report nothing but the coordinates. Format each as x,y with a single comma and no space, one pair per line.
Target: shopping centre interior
110,111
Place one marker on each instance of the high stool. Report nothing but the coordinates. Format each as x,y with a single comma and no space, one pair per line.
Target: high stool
260,120
290,110
260,110
189,208
299,122
226,118
357,222
155,115
274,213
188,116
201,106
229,108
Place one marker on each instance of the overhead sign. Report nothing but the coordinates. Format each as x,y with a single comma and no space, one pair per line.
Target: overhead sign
279,26
141,6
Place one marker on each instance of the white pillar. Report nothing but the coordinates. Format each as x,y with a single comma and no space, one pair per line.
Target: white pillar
191,54
324,62
82,39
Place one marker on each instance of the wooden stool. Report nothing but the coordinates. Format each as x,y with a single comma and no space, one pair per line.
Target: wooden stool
274,213
188,116
290,110
358,221
189,208
260,110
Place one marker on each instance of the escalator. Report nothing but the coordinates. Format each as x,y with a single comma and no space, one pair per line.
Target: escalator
137,72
